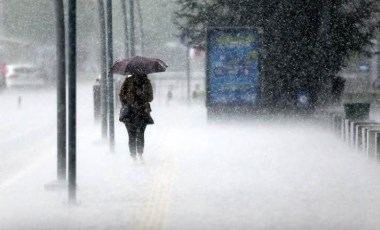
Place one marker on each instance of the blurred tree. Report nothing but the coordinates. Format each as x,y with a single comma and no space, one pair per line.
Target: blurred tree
33,21
305,42
29,20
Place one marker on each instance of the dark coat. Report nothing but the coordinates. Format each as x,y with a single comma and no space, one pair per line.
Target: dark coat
137,92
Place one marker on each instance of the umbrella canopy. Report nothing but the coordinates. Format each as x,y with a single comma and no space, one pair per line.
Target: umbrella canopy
138,65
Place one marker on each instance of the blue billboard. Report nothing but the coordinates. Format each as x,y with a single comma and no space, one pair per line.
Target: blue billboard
233,76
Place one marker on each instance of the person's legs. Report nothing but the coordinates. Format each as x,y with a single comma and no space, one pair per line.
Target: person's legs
132,134
140,138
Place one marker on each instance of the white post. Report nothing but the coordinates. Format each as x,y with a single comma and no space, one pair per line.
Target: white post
371,142
377,142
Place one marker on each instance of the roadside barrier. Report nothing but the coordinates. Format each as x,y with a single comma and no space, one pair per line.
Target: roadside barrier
358,133
371,142
361,134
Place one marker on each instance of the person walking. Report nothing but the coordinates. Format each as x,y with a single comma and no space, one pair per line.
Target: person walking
136,93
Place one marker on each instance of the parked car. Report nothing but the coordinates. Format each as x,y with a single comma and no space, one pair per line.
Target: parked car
25,75
3,69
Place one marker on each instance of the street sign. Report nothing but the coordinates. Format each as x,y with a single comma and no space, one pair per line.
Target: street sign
363,68
303,99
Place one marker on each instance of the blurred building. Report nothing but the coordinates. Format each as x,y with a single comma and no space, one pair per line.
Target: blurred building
362,73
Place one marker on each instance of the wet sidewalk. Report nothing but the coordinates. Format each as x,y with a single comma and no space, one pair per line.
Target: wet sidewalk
251,175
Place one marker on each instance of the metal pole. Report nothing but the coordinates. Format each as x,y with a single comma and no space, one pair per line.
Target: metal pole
125,27
2,17
72,99
132,31
61,90
188,72
375,59
110,76
103,61
139,12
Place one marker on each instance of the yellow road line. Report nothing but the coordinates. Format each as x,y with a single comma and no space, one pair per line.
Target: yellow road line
156,208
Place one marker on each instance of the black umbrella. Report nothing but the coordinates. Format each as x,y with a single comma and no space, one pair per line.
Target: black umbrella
138,65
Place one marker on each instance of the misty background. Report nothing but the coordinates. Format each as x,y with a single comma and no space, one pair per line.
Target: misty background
243,174
27,33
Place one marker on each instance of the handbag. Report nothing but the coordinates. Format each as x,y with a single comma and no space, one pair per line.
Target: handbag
125,113
149,120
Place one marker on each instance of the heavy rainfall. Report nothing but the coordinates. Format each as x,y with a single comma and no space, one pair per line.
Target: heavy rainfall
189,114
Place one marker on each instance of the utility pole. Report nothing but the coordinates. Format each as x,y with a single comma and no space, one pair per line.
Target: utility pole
142,37
186,41
125,27
103,64
375,59
72,99
188,71
132,30
61,182
2,18
61,90
110,76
